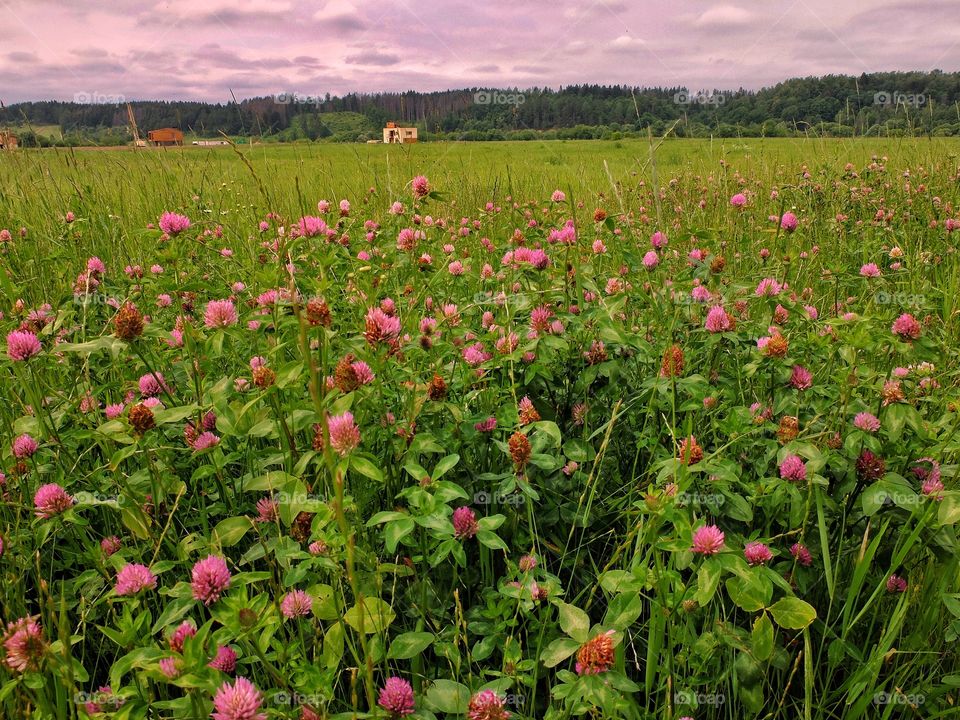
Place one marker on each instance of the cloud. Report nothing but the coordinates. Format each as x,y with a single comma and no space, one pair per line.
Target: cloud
372,57
724,16
22,57
626,44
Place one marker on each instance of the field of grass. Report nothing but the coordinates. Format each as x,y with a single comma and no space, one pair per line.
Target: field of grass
507,430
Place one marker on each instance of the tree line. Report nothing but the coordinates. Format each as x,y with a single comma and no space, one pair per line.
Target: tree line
892,103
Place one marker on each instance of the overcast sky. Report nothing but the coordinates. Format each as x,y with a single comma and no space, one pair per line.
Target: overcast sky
201,49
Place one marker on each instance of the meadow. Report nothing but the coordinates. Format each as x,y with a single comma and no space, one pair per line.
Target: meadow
645,430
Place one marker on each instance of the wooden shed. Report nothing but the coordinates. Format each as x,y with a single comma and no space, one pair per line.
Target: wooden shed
8,141
165,136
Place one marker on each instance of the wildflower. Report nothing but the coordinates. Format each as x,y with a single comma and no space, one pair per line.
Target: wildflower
768,287
170,667
152,384
801,378
437,389
296,603
24,446
892,392
421,186
651,259
267,509
173,224
558,196
396,695
128,322
870,467
225,659
718,320
906,327
50,500
789,222
757,553
690,452
133,578
596,655
867,422
488,425
793,468
801,554
672,363
24,644
870,270
344,434
141,418
318,312
896,584
738,200
210,578
205,441
238,701
380,327
220,314
110,545
527,563
788,429
464,523
707,540
22,345
487,705
528,413
520,450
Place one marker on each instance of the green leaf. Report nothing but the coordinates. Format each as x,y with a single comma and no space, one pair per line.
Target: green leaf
449,697
366,468
409,644
396,530
558,651
761,639
793,613
623,611
574,621
491,540
229,532
445,465
376,616
708,579
751,592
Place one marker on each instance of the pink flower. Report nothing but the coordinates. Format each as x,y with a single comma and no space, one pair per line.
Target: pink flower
22,345
152,384
768,287
906,326
658,240
487,705
50,500
475,354
205,441
24,446
173,224
757,553
793,468
707,540
170,667
178,637
558,196
421,186
488,425
651,259
464,523
870,270
718,320
801,378
789,222
344,434
896,584
801,554
238,701
396,697
220,314
225,660
738,200
24,644
133,578
867,422
110,545
527,563
210,578
296,603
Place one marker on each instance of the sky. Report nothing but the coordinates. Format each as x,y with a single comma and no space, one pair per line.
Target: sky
115,50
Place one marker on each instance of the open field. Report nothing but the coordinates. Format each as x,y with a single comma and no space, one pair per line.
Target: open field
529,430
